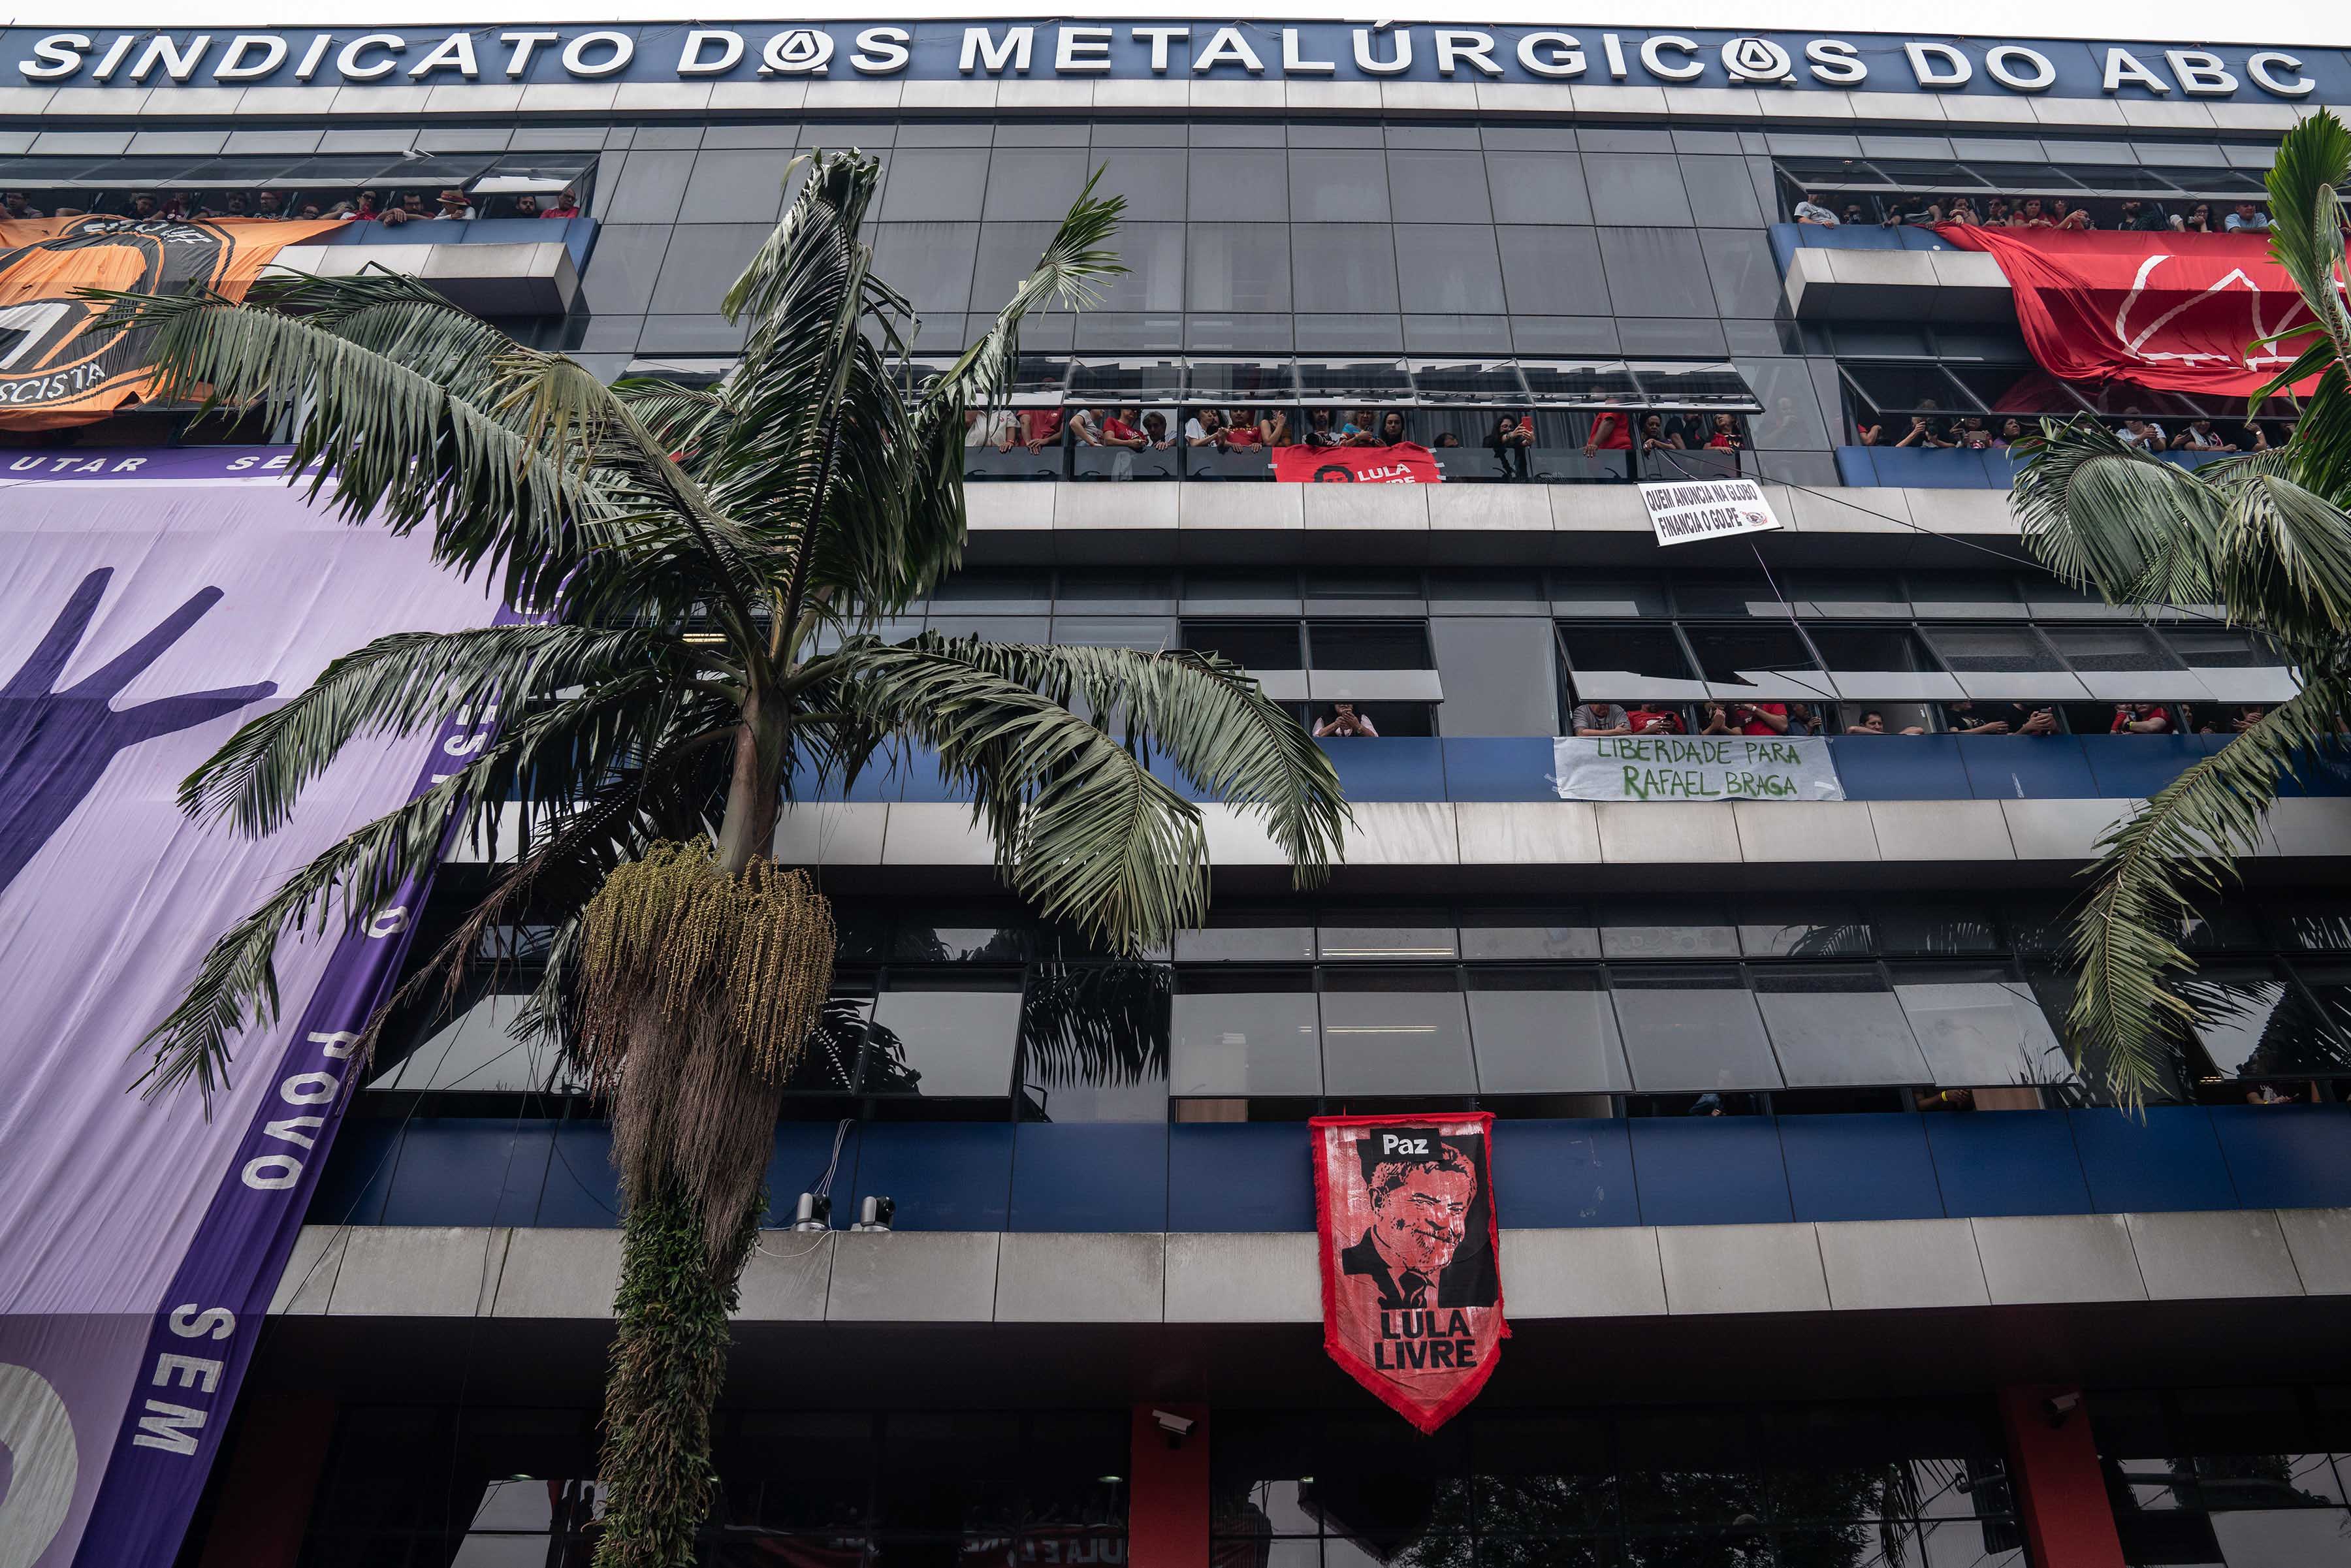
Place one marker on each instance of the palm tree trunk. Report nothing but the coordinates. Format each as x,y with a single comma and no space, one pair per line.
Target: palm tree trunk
754,791
668,1362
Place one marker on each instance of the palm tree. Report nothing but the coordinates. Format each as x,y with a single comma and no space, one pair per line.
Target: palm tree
2267,539
713,564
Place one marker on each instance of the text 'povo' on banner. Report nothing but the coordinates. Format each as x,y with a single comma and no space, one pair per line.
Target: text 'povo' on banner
1689,509
1694,767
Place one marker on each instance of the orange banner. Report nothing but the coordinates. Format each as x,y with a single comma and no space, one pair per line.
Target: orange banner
54,374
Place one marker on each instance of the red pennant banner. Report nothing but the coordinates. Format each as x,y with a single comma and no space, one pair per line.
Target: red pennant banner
1406,462
1411,1256
2172,312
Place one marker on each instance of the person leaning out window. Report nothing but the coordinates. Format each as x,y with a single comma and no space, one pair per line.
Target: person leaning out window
1342,720
1873,722
1508,441
1810,210
2140,719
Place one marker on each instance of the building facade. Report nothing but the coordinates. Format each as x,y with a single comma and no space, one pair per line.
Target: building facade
1818,1251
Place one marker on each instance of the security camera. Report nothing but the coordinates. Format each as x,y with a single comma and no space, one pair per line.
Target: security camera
2060,1406
1177,1427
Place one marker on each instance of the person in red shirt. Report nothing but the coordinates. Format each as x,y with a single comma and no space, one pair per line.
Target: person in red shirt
1118,430
566,205
1747,718
1610,433
1240,430
1042,427
1653,720
2140,719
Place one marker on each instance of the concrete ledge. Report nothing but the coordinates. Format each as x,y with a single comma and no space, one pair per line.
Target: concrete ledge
1195,1278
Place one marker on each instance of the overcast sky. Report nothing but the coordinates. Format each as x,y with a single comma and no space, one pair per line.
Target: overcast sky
2304,26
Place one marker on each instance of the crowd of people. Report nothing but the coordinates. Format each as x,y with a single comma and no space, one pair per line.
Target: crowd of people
1594,719
1510,437
1978,432
392,209
2029,213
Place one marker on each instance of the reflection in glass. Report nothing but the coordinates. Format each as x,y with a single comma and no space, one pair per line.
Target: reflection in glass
1814,930
1616,663
1249,935
1767,663
2254,1023
1688,1028
1979,1026
953,1036
1834,1024
1562,933
1631,930
1245,1033
1545,1031
1395,936
1094,1042
1395,1031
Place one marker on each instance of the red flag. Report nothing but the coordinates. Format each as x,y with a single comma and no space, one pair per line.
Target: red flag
1406,462
1411,1257
2173,312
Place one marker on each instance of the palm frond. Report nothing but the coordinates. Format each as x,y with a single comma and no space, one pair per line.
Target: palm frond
2153,870
400,684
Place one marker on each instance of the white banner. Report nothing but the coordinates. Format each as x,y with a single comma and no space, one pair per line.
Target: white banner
1694,767
1687,509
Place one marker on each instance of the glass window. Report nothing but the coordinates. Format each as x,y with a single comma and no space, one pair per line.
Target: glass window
1629,929
1439,187
1240,182
1253,644
1531,187
699,269
1954,595
1656,272
649,189
1835,1023
1613,663
951,1036
1979,1026
2002,662
735,187
1746,277
1498,674
1545,1031
1395,1031
1152,253
1558,933
1806,930
1936,930
950,1472
1150,180
1368,644
1343,266
1245,1032
1636,190
1339,184
1448,267
2310,924
1553,271
1381,380
934,182
1249,935
2121,664
1237,267
1759,663
1791,417
2254,1023
1691,1028
1144,633
1585,383
1034,181
1722,192
1879,662
930,263
1094,1043
1680,383
1390,935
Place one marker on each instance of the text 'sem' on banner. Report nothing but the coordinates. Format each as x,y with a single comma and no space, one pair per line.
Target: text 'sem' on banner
1694,767
1411,1256
52,373
1406,462
1689,509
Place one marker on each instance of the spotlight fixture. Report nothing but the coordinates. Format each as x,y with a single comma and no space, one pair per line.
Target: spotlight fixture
814,1212
875,1214
1177,1427
1967,1485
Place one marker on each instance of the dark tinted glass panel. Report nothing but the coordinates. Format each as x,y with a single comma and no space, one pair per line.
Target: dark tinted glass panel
1367,645
1094,1044
950,1472
954,1039
1237,267
1629,929
1993,650
1615,664
1448,267
1532,187
1767,663
1240,183
1566,932
1656,272
1339,184
1556,272
1353,936
935,183
2254,1023
1808,930
1636,190
1256,644
1439,187
1681,384
1033,182
1343,267
1938,930
1979,1025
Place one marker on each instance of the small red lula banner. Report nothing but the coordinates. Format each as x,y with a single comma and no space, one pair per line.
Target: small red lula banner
1410,1257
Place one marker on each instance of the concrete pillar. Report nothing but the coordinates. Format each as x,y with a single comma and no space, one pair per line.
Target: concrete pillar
270,1482
2053,1469
1168,1490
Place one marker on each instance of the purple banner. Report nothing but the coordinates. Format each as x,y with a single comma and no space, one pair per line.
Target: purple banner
152,612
